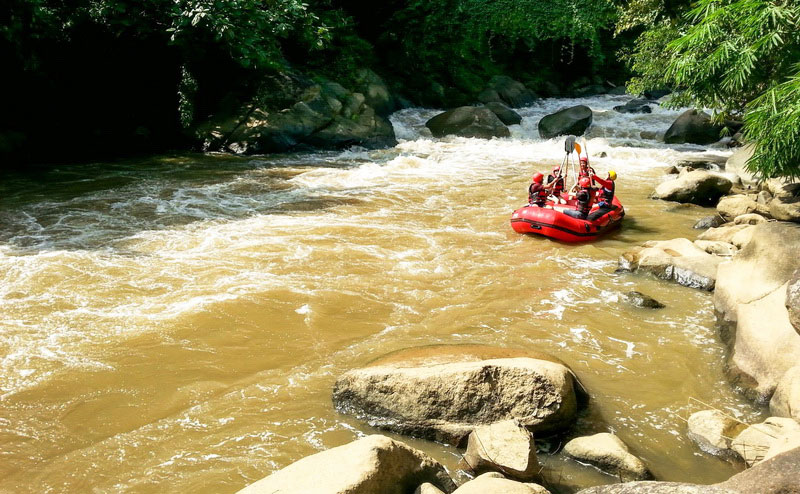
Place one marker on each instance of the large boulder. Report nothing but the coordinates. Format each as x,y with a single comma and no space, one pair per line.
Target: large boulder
754,443
608,452
569,121
785,206
750,297
503,447
372,464
785,402
366,129
504,113
696,187
778,475
468,121
492,483
732,206
375,91
737,164
511,92
724,233
678,259
713,431
444,392
693,127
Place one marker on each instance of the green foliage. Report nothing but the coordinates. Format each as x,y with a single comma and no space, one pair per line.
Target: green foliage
737,57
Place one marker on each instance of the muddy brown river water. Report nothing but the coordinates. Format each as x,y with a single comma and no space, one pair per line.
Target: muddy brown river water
175,324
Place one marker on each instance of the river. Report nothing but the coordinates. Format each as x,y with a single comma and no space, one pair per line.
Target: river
175,323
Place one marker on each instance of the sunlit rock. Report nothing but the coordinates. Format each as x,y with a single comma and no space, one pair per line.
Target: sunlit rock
608,452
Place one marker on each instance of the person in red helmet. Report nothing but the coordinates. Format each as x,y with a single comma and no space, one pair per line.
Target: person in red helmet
556,181
537,191
605,195
584,197
585,169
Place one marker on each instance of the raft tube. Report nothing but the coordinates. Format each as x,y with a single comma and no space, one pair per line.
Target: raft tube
551,222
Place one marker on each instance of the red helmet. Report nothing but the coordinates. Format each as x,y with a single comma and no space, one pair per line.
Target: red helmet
585,182
537,177
556,167
584,160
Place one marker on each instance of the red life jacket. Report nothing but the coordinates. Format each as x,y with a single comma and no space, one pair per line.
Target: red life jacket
558,188
584,198
537,194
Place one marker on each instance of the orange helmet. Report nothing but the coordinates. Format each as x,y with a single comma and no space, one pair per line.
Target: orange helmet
585,182
537,177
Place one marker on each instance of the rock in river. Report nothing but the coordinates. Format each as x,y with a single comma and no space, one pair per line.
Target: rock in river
372,464
696,187
444,392
608,452
504,113
777,475
713,431
491,483
505,447
638,299
678,259
754,443
751,297
693,127
511,92
785,402
468,121
569,121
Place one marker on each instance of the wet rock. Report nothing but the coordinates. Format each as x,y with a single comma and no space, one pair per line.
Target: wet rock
569,121
603,154
678,259
608,452
753,443
365,129
713,432
777,475
375,91
708,222
648,135
671,170
717,248
723,233
431,392
504,447
638,299
696,187
428,488
785,206
785,402
693,127
511,92
468,121
751,295
703,162
504,113
763,197
749,219
489,96
634,106
732,206
493,484
793,300
372,464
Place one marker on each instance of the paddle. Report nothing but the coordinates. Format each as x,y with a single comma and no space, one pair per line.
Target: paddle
569,144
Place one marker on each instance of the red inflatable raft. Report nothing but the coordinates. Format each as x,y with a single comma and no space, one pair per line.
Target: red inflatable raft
551,222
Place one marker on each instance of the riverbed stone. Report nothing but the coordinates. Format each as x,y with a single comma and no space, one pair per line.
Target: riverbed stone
785,402
434,392
491,483
569,121
639,299
428,488
511,92
777,475
608,452
505,447
749,219
504,113
750,297
468,121
737,162
717,248
723,233
376,93
708,222
713,431
696,187
373,464
634,106
677,259
754,442
732,206
786,207
693,127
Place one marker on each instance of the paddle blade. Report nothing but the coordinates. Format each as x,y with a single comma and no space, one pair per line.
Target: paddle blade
569,144
578,148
